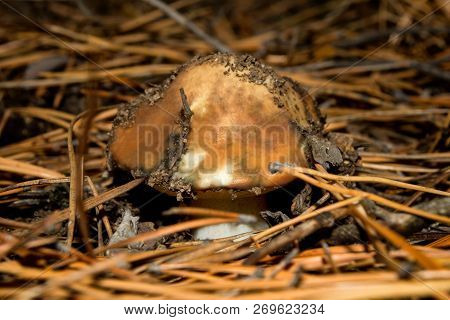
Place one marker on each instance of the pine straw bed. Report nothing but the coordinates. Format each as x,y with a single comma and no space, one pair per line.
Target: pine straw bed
380,73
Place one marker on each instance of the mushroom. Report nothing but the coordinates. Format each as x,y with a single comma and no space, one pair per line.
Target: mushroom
208,134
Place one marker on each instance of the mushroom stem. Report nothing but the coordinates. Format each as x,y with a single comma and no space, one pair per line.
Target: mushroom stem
248,205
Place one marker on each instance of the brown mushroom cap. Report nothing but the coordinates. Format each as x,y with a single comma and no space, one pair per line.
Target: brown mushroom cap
244,116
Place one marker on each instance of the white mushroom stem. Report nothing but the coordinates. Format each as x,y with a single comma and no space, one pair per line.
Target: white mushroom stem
248,205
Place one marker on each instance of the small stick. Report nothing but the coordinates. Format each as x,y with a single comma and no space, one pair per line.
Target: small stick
175,15
363,194
284,262
163,231
329,256
322,218
19,187
15,224
370,179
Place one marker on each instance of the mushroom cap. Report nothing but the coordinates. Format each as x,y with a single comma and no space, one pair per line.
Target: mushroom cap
238,116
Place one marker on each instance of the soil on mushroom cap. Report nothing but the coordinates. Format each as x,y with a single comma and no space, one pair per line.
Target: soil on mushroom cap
300,106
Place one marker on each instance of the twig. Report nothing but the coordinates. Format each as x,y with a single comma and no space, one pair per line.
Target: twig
190,25
320,218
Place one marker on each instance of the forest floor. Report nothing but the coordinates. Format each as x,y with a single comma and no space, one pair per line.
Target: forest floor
71,229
